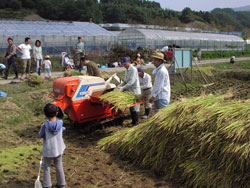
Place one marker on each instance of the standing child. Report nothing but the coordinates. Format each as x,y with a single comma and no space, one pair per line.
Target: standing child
53,145
47,66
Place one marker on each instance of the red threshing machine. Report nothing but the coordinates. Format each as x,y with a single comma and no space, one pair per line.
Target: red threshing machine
78,97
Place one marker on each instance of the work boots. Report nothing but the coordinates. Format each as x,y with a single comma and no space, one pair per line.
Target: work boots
134,116
147,112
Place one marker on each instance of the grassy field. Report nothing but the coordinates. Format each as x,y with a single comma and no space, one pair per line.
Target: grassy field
237,65
216,54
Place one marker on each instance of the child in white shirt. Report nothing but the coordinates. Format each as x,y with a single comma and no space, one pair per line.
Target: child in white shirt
48,66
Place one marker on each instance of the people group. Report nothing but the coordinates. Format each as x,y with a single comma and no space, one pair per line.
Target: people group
26,52
138,82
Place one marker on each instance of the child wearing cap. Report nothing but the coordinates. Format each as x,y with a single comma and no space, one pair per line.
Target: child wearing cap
48,66
53,145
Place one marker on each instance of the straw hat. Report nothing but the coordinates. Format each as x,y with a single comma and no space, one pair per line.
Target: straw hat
158,55
47,57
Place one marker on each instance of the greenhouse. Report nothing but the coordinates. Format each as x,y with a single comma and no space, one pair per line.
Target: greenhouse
148,38
56,36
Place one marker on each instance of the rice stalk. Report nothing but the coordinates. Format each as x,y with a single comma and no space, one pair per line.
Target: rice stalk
205,139
119,100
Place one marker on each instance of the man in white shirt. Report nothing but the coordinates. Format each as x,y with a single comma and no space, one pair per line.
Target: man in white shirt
161,90
132,84
146,88
25,50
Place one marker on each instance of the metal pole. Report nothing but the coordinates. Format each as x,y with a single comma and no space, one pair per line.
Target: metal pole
201,73
180,73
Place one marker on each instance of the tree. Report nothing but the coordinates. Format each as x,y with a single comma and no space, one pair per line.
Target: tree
15,5
186,15
3,4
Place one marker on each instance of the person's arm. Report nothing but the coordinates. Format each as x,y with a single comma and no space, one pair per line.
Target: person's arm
12,51
50,65
41,52
34,53
19,49
42,131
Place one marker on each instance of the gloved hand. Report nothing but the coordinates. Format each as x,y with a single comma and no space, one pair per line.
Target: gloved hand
121,89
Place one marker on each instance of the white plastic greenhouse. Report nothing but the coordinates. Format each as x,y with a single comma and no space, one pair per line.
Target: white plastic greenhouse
62,36
56,36
148,38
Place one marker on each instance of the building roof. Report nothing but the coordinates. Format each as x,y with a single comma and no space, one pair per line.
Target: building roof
10,27
175,35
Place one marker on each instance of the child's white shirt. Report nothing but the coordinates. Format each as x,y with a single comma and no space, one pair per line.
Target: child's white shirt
47,64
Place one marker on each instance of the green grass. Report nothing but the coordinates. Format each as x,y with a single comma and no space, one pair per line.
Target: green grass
180,87
12,158
215,54
236,65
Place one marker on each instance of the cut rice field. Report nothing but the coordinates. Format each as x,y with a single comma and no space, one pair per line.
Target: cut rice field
87,166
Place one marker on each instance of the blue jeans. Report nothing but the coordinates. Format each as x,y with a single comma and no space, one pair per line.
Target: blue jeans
38,66
11,61
159,104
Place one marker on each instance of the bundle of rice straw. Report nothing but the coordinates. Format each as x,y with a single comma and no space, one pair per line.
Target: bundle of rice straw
35,80
119,100
72,72
202,142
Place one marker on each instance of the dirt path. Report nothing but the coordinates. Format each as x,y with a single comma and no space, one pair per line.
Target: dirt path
116,70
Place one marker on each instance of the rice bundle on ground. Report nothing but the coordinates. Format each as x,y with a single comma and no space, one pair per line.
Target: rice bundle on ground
35,80
72,72
119,100
203,142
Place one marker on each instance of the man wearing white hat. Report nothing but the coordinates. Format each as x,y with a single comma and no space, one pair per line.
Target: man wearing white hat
160,94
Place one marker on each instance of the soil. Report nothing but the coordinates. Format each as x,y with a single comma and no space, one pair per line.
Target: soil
86,166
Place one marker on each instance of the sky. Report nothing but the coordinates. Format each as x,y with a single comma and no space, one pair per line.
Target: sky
204,5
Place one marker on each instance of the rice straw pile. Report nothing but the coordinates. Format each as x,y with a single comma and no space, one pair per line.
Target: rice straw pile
35,80
119,100
72,72
202,142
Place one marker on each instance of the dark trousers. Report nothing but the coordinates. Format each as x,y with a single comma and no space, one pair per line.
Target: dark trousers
134,116
11,61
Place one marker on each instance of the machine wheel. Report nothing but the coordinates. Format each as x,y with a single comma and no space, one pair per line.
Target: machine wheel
73,124
119,121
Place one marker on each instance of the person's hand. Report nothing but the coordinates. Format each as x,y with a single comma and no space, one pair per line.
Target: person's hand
121,89
8,57
34,59
151,100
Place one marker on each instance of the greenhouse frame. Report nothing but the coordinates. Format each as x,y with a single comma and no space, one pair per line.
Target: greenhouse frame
56,36
148,38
